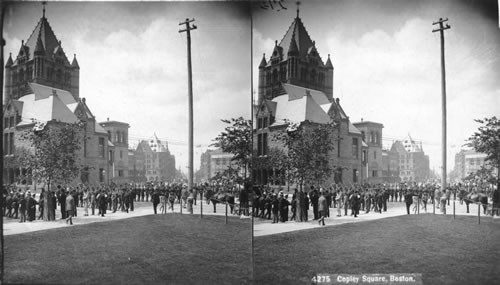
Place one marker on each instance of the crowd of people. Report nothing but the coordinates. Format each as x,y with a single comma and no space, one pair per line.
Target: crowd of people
265,202
269,203
23,204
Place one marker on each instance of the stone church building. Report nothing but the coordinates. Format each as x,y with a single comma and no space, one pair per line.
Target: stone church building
42,85
296,85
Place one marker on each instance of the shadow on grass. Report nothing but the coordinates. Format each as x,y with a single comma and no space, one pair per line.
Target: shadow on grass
444,250
156,249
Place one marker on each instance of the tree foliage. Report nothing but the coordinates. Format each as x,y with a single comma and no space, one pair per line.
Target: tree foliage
236,139
308,146
487,140
55,155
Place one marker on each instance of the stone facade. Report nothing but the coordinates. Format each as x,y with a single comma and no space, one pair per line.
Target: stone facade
413,162
41,59
296,61
159,163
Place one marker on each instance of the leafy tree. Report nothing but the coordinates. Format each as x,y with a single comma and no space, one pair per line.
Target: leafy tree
307,147
275,160
55,155
487,140
237,139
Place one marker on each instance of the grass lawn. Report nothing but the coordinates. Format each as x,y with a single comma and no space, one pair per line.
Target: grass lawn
161,249
443,250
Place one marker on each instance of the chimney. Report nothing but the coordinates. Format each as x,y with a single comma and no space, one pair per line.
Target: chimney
338,101
361,119
108,119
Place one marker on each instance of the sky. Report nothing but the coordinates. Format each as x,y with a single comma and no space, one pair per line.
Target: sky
133,63
387,63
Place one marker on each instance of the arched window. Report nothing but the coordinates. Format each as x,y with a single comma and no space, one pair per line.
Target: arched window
372,137
377,137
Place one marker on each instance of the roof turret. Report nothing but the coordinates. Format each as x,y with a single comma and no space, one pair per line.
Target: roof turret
9,61
74,63
263,62
328,63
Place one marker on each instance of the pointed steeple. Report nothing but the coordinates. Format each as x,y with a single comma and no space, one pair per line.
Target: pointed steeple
298,32
263,62
9,61
46,35
74,63
328,63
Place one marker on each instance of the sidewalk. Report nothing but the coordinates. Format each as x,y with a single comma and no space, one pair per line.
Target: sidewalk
12,226
266,227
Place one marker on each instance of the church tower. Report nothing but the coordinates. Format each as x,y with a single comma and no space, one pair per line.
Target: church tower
295,61
41,59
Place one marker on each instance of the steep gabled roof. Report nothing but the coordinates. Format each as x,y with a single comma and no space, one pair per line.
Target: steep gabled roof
47,36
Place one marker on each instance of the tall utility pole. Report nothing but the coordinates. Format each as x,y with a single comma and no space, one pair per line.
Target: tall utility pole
190,96
443,94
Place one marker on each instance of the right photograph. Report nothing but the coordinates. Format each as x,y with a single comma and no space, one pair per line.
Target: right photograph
376,142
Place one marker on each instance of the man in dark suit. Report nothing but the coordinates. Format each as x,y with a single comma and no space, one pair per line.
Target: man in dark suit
155,198
408,201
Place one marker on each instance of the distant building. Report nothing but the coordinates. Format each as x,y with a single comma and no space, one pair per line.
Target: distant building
413,162
468,162
159,163
390,166
118,137
215,161
136,166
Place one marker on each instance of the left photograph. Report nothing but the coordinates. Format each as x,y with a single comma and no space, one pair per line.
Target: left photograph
126,142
